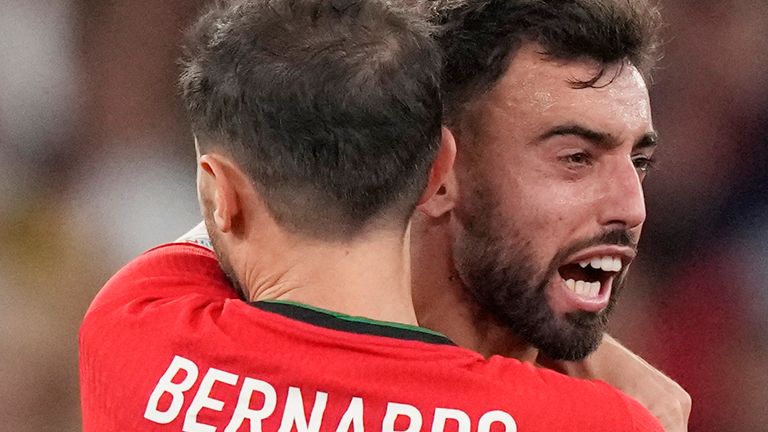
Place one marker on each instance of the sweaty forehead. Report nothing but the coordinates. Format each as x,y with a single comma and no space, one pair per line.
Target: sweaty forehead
537,91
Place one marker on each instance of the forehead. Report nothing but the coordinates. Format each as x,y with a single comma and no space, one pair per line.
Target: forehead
536,92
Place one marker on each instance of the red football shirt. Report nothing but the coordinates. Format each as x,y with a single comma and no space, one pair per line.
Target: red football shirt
167,345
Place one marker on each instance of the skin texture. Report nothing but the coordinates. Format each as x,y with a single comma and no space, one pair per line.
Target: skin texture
523,202
526,203
367,275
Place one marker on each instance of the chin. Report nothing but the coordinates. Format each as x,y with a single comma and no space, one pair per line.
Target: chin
571,337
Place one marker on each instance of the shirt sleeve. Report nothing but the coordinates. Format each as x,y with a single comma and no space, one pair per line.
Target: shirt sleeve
167,271
574,404
169,298
175,299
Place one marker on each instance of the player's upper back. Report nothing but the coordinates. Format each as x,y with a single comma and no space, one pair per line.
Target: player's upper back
167,342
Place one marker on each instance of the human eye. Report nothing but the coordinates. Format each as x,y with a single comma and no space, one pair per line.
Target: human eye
577,159
644,163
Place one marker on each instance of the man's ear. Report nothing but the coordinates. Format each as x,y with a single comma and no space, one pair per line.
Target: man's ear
440,195
218,190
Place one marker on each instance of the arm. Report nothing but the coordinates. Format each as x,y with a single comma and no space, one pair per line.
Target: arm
626,371
165,302
611,363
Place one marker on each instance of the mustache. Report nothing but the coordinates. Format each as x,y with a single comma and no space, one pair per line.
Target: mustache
614,238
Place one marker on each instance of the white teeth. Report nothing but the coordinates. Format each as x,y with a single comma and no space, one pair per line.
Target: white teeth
581,287
596,263
611,264
571,284
594,288
606,263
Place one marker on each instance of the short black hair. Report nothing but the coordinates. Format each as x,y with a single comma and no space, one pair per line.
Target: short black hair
480,37
332,107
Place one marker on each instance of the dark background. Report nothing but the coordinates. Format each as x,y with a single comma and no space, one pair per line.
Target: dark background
96,165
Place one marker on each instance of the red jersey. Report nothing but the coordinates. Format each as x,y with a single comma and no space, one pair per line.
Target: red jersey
168,345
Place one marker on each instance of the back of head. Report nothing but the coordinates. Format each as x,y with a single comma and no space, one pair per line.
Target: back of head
480,37
331,107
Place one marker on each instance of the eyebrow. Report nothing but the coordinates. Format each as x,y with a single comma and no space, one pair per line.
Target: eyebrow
600,139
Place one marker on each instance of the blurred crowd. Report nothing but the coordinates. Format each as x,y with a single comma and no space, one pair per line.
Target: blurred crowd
97,165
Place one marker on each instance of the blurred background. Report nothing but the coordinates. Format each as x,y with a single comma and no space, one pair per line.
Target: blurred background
97,165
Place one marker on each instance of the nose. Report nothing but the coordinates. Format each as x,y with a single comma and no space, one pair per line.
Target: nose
622,203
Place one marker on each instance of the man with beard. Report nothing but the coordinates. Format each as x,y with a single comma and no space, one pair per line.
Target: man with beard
527,245
318,130
546,206
525,248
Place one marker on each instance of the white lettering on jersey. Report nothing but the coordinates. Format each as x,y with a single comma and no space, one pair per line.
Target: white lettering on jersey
395,410
166,385
443,414
293,417
243,409
353,417
496,416
294,412
203,400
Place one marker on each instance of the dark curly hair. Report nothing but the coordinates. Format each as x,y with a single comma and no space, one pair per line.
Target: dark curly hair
480,37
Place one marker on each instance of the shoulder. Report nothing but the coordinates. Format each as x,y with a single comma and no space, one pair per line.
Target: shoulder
169,299
161,283
166,294
168,270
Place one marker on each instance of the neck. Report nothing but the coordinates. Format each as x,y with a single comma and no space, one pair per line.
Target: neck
367,277
445,305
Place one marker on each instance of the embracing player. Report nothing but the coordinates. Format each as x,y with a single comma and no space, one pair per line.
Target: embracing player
315,213
525,248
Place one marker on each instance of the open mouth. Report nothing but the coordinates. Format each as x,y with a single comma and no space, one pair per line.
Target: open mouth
590,278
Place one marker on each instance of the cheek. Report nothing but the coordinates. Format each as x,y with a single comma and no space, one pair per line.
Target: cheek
534,189
529,229
549,216
564,201
540,206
